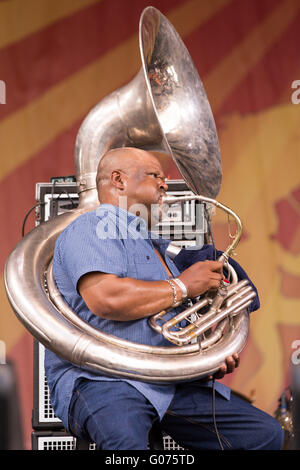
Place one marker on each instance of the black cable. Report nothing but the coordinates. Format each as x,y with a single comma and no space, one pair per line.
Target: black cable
214,414
27,215
52,188
210,232
202,425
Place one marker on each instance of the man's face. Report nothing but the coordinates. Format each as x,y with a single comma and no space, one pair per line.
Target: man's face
145,185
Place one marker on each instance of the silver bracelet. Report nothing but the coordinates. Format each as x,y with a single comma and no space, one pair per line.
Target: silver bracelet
175,302
182,287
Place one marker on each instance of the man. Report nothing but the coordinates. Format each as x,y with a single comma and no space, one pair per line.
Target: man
116,282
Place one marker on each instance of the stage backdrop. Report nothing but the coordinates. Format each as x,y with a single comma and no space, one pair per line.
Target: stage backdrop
58,58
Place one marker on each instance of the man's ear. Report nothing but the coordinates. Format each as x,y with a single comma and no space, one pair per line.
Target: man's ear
118,179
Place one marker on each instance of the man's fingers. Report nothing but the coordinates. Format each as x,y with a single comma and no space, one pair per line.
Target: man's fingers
215,280
221,372
217,264
216,276
236,357
231,363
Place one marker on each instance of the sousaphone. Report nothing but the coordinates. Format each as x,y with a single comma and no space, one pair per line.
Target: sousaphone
163,108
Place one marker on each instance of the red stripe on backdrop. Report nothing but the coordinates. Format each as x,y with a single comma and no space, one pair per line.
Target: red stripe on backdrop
209,44
37,62
54,160
269,81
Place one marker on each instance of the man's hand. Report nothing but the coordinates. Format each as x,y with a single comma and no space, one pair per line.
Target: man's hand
202,276
231,363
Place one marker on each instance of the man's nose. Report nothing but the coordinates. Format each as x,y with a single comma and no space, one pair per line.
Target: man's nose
163,185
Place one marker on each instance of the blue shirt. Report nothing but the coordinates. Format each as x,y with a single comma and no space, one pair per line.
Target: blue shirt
109,240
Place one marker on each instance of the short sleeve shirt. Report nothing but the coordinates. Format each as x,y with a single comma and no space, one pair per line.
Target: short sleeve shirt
108,240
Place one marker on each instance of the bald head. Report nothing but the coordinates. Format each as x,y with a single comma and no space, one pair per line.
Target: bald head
126,159
120,158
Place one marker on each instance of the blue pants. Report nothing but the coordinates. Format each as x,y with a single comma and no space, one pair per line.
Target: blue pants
116,416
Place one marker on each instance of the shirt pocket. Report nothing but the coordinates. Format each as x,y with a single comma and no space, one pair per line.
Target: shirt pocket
147,267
